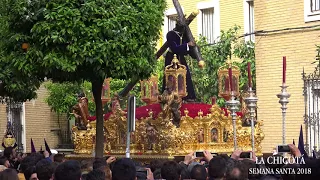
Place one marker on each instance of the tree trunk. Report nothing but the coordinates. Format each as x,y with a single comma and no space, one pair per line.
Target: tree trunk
96,90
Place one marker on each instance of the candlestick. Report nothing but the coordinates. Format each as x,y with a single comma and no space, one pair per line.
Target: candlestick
230,78
213,100
226,84
249,75
251,102
284,100
284,68
233,106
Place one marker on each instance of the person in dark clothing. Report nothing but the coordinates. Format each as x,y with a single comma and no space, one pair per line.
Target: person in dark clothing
199,172
10,154
123,169
171,171
178,45
217,168
30,173
59,158
96,174
100,163
9,174
69,170
44,169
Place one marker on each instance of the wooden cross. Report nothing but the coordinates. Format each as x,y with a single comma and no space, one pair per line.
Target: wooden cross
165,46
188,32
195,49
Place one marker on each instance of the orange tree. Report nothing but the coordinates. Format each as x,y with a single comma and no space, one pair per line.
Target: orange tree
77,40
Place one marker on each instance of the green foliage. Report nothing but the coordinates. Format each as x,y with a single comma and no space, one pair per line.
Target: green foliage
245,51
63,96
77,40
116,85
206,80
16,18
18,86
86,87
159,71
74,40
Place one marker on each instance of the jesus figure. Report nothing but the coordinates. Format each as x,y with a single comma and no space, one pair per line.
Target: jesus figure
179,45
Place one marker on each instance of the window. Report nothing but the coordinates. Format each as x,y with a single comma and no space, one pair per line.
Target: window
209,20
15,120
207,24
315,6
249,19
311,10
171,22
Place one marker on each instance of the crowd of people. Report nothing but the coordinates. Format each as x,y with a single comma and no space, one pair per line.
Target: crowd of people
46,166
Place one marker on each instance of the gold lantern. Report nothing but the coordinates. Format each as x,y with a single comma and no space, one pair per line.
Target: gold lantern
105,94
224,83
176,77
149,90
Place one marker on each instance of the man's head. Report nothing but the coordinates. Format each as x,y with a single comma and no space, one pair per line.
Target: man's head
30,173
123,169
100,163
96,174
44,170
86,165
69,170
217,167
155,164
180,28
171,171
4,161
236,171
199,172
247,165
29,161
9,174
58,158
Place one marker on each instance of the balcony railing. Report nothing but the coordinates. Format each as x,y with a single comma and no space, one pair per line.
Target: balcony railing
65,141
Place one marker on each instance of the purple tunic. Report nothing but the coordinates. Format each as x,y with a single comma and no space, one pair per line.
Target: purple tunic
180,50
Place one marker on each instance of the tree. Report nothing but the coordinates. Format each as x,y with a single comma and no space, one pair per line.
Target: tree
77,40
16,86
62,97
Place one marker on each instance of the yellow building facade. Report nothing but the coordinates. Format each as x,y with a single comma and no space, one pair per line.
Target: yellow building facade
214,16
36,121
299,47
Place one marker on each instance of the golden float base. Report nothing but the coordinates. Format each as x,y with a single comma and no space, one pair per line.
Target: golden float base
157,137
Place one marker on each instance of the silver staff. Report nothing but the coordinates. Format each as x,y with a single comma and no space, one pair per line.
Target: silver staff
233,106
251,102
284,100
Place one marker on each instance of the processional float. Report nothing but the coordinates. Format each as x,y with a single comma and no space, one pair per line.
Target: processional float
167,127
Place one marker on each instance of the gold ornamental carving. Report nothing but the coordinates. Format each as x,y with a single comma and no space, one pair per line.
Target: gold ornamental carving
175,75
224,84
149,90
159,136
